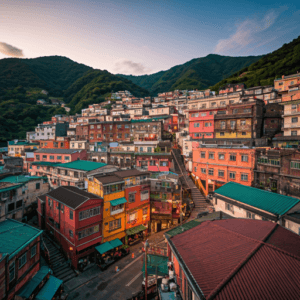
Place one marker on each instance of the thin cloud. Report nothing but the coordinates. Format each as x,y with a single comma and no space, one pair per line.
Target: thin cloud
131,67
10,50
248,33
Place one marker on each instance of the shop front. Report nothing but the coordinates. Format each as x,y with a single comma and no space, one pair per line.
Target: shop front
136,234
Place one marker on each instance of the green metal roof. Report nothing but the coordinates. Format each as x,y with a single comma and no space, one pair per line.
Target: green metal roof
49,289
136,229
21,179
156,263
118,201
83,165
116,243
108,246
150,120
183,228
10,188
267,201
104,247
14,236
44,163
31,285
154,153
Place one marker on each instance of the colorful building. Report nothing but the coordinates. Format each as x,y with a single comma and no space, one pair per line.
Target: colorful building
111,188
59,143
17,148
137,194
213,167
286,83
74,218
19,256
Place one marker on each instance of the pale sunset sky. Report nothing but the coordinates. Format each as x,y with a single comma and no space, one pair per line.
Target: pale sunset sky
143,36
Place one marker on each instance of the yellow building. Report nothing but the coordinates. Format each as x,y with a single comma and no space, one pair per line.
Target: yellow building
17,148
111,188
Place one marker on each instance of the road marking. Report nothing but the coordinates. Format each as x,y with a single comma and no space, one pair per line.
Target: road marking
134,279
128,265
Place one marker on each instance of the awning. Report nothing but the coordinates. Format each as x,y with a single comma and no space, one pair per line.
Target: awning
108,246
116,243
136,229
156,265
10,188
31,285
118,201
49,289
104,247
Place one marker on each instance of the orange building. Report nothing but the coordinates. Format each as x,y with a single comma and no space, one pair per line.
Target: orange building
59,143
287,83
213,167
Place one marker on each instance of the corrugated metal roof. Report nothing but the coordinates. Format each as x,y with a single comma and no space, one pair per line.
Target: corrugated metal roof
14,236
267,201
107,179
20,179
234,259
83,165
129,173
71,196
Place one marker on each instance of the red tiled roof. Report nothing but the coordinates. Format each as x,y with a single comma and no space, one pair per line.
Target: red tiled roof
241,258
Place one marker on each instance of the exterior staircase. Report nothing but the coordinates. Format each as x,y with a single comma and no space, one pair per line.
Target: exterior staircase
198,199
58,263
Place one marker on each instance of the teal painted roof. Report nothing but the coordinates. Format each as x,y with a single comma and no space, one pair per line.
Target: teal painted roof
10,188
116,243
267,201
31,285
118,201
20,179
49,289
150,120
84,165
44,163
14,236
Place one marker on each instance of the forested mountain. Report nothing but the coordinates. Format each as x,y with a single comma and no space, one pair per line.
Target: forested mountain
198,73
283,61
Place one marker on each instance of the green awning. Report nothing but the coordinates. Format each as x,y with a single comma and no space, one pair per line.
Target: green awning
49,289
10,188
31,285
108,246
156,263
136,229
118,201
116,243
104,247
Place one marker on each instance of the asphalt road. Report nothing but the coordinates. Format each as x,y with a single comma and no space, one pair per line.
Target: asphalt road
116,285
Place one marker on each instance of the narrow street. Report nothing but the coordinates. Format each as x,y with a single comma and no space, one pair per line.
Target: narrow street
95,284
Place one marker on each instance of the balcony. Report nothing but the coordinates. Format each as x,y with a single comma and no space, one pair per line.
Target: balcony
117,211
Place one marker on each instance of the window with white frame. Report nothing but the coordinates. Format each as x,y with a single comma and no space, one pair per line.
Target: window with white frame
202,154
232,157
220,173
89,213
144,195
131,197
210,171
22,260
232,175
244,177
221,156
245,158
203,170
211,155
250,215
196,125
88,231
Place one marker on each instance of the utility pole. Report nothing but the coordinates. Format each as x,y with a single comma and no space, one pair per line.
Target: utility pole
146,271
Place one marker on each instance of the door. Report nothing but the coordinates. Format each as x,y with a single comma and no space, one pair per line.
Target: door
158,226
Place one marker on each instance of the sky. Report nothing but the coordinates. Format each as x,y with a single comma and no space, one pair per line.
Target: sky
142,36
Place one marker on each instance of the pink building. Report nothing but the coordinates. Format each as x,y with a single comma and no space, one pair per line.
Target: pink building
154,162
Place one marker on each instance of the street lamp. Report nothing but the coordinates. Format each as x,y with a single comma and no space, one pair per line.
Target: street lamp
146,245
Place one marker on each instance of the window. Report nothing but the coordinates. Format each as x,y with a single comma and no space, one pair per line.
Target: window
145,211
98,126
222,133
116,224
250,215
203,114
294,106
243,122
59,157
163,163
11,272
207,124
213,104
203,170
67,157
232,124
210,171
144,195
37,186
92,127
22,260
244,177
235,111
245,158
232,157
223,124
11,207
223,103
33,251
195,169
19,204
232,175
196,125
131,197
211,156
293,132
44,156
149,149
71,234
88,231
221,156
71,214
247,110
295,120
221,173
229,207
243,133
119,135
202,155
126,135
89,213
295,164
37,157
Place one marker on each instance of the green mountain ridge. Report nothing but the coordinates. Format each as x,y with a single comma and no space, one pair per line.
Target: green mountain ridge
283,61
198,73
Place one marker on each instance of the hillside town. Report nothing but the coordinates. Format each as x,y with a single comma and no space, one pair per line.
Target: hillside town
186,195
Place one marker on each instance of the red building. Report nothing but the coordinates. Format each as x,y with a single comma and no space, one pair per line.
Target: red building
74,218
154,162
137,194
174,123
19,256
82,132
59,143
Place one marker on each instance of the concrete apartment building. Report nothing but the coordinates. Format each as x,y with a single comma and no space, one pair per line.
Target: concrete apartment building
51,131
